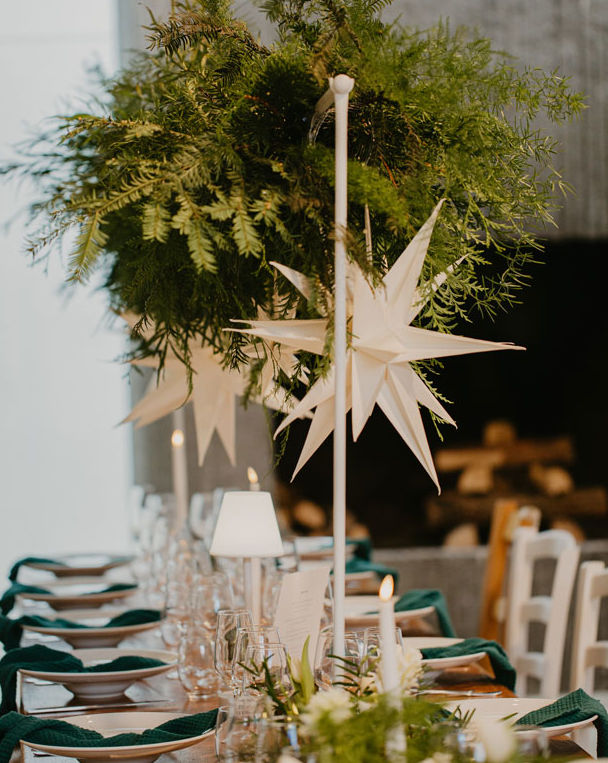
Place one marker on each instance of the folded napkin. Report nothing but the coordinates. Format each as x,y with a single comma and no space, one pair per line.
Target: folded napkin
363,548
357,564
40,657
7,602
419,598
12,630
12,575
573,707
503,670
15,727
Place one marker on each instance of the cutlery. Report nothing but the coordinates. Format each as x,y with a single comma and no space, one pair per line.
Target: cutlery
70,709
463,693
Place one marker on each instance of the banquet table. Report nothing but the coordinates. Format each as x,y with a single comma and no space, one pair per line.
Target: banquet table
470,678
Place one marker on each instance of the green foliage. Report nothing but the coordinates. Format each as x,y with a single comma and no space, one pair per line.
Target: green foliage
199,171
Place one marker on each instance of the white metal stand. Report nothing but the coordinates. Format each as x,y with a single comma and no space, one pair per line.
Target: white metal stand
340,86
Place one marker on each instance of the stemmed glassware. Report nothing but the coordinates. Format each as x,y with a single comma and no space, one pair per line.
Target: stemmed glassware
246,637
229,621
263,663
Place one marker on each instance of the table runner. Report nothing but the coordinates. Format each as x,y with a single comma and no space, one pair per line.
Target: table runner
15,727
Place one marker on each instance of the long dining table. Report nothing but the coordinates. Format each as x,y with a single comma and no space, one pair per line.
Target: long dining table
173,698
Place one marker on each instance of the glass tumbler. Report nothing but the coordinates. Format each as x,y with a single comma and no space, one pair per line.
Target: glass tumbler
195,665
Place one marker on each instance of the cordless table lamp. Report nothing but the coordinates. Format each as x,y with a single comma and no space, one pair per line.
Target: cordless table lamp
247,528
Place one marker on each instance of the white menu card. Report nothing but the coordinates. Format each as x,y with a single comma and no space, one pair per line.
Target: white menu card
300,608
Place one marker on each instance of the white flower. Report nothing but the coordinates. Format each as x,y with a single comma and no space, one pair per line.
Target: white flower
409,670
497,738
334,704
439,757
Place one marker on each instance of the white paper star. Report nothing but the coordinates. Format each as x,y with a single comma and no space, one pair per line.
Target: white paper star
214,389
383,346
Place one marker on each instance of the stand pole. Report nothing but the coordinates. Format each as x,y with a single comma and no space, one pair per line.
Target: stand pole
340,87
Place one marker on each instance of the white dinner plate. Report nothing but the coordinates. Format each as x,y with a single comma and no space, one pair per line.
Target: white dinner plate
430,642
94,635
447,663
318,547
81,564
111,724
70,593
108,685
496,708
361,611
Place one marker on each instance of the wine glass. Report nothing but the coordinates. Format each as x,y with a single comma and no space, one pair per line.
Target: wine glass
228,623
247,637
326,664
211,594
264,663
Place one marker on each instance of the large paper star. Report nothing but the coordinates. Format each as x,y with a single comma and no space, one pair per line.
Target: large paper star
214,389
383,347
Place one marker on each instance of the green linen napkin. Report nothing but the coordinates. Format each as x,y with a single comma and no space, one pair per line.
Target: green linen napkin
573,707
40,657
363,548
418,598
12,575
12,630
357,564
503,670
15,727
7,602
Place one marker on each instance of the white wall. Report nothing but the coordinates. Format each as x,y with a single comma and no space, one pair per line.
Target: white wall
64,464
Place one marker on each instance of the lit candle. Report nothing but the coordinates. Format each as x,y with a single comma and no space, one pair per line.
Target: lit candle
180,468
252,476
253,565
388,655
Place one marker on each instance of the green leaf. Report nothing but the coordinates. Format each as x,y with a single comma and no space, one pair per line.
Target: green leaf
155,222
89,246
308,681
201,247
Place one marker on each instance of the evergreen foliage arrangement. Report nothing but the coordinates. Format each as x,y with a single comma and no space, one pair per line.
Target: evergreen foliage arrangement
204,164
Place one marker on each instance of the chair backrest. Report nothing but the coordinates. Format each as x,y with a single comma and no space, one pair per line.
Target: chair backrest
587,652
552,610
506,517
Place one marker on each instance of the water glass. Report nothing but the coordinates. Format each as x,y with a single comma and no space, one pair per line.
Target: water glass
211,594
195,662
372,640
532,741
236,737
277,735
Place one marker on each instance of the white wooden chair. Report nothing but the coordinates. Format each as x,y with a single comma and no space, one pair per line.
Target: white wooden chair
523,608
587,652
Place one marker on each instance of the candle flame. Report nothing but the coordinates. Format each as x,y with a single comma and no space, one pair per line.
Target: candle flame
177,438
386,588
252,475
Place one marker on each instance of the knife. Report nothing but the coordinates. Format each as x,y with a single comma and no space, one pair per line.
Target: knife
112,706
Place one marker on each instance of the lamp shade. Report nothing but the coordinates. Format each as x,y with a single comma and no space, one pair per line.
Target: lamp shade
246,526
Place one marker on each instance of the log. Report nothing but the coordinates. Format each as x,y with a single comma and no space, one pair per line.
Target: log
451,508
520,453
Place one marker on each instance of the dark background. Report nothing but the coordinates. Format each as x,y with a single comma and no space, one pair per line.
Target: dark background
556,387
